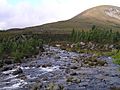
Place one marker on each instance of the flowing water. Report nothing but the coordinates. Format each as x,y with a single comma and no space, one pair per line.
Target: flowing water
56,66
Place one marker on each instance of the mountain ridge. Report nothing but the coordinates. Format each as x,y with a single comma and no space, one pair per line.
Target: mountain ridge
103,16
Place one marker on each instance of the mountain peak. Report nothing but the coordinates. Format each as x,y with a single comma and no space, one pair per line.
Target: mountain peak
101,11
113,12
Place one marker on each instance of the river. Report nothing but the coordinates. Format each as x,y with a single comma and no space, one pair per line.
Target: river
59,69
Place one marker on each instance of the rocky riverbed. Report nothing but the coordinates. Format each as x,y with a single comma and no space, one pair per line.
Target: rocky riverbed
58,69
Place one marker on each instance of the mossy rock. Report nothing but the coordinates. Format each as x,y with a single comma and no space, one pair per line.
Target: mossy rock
72,79
101,62
52,86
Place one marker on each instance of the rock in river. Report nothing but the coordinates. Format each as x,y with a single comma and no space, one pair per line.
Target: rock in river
18,71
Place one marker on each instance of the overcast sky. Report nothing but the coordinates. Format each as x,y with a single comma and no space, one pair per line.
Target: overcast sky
24,13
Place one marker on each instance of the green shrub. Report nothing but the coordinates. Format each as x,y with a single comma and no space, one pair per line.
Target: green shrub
116,58
17,56
17,46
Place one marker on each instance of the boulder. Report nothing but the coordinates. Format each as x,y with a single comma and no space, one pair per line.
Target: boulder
6,68
41,49
8,61
18,71
74,67
73,74
47,65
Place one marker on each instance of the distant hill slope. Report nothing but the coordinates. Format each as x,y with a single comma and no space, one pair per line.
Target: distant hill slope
105,16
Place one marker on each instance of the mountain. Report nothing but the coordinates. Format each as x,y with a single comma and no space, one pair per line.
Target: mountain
105,16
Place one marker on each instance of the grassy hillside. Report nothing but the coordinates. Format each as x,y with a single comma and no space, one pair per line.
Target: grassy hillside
84,21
